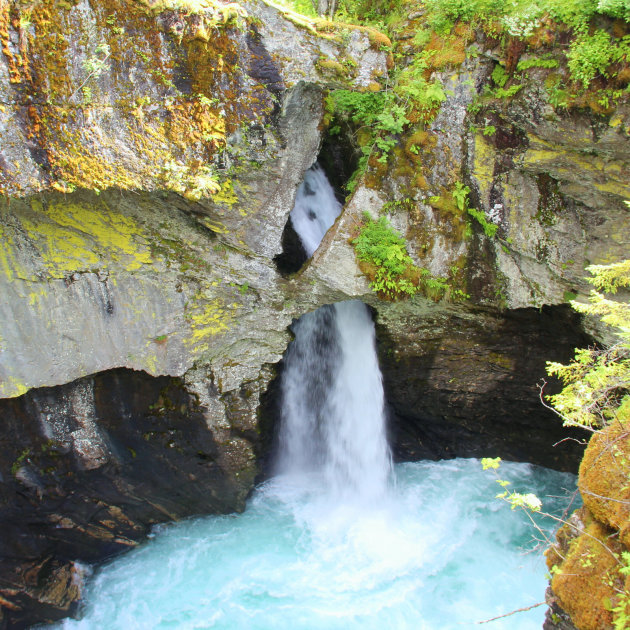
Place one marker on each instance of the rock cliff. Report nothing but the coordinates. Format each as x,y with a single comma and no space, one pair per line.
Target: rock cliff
150,156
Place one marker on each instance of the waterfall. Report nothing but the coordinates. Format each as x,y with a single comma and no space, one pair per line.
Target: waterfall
315,209
332,419
328,543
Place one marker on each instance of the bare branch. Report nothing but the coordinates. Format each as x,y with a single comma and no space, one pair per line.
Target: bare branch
518,610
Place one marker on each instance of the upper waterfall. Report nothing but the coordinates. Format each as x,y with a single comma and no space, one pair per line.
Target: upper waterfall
315,209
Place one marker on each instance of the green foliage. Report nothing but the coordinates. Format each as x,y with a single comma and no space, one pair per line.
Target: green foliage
558,97
591,51
379,245
527,501
591,54
378,112
360,107
526,64
443,13
383,115
521,17
489,229
460,195
597,382
499,75
507,92
305,7
615,8
94,65
621,611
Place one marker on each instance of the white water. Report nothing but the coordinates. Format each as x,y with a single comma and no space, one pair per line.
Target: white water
339,539
439,554
315,209
332,423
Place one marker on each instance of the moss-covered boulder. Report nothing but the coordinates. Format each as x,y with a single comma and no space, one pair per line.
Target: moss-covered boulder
590,580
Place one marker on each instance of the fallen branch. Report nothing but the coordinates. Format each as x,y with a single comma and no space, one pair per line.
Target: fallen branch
518,610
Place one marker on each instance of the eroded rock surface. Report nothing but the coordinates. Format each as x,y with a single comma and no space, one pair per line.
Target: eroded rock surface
149,160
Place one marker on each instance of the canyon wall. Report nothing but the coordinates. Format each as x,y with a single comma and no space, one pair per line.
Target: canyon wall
149,160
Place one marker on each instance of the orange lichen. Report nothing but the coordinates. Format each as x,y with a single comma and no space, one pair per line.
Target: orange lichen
585,573
377,39
447,51
604,478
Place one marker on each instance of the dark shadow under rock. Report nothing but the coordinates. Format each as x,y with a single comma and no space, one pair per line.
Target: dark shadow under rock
464,385
86,470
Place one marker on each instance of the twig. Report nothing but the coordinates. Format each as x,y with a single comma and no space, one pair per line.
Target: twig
96,72
518,610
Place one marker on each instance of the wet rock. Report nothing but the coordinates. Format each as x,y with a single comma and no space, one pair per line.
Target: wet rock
156,460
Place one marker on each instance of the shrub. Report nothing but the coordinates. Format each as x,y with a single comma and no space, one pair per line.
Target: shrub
385,251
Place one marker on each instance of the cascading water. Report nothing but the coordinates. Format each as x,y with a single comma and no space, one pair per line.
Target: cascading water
315,209
332,413
332,398
329,543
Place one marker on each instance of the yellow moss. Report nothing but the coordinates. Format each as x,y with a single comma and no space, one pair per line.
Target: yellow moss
151,363
216,226
417,143
206,321
73,237
35,296
226,196
8,261
11,387
330,66
603,173
483,165
445,204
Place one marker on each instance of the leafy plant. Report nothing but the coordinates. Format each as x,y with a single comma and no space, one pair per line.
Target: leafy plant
589,55
597,382
460,195
536,62
499,75
615,8
507,92
622,609
381,247
380,117
489,229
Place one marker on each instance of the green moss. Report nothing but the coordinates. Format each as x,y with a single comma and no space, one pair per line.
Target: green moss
330,66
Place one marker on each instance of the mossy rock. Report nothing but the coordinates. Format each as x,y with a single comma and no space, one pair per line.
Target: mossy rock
585,572
604,478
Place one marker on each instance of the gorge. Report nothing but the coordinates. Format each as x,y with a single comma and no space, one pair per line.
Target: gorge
151,277
336,539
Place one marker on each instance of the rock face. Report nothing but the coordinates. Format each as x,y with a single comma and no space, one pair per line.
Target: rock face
150,156
95,464
590,579
149,161
466,383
